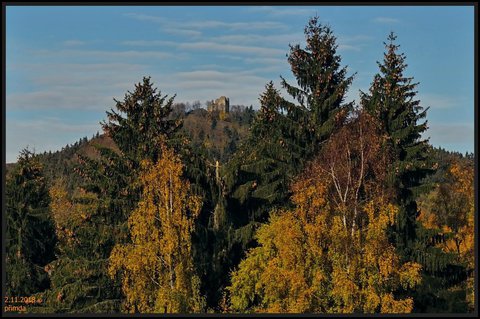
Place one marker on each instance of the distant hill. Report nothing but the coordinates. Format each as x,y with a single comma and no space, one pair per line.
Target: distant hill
443,159
219,133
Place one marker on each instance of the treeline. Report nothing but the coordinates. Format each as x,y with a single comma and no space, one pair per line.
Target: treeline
325,206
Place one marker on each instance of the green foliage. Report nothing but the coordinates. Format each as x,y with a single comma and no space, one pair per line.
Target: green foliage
141,121
220,138
104,201
391,99
30,236
285,135
322,85
346,236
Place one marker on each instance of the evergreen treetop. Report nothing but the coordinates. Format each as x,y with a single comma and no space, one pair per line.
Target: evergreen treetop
146,122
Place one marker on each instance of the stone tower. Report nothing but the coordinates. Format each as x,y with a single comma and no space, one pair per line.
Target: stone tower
222,104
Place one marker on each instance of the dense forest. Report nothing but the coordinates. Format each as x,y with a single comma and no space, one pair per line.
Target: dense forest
310,204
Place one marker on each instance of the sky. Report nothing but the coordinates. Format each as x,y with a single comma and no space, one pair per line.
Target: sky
66,64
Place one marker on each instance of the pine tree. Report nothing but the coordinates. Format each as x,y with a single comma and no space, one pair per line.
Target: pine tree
30,236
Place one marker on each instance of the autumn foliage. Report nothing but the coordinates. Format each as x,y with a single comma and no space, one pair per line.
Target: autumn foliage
325,207
156,267
331,253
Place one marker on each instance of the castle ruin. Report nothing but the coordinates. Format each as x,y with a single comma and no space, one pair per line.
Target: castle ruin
222,104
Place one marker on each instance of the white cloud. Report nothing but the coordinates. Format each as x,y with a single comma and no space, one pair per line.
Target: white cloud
209,46
73,43
242,87
283,11
232,48
456,135
348,47
353,42
182,32
386,20
208,24
74,85
438,101
101,54
282,39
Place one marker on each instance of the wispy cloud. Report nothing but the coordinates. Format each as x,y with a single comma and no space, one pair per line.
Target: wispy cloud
451,133
353,42
182,32
282,39
92,87
73,43
208,24
209,46
207,84
348,47
283,10
386,20
100,54
439,101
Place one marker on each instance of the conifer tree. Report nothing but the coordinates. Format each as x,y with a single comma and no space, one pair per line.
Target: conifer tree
449,210
391,99
30,236
141,121
285,135
110,190
266,161
322,85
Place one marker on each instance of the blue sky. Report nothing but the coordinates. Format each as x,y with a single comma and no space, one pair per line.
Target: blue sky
65,64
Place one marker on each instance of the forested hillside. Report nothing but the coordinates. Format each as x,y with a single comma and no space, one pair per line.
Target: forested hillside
320,205
219,136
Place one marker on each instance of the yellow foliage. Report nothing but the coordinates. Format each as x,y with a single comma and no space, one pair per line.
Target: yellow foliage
157,268
390,305
308,261
68,212
450,208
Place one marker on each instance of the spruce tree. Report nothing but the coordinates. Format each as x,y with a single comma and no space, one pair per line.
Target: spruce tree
108,194
286,134
141,121
322,85
30,235
260,171
392,99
